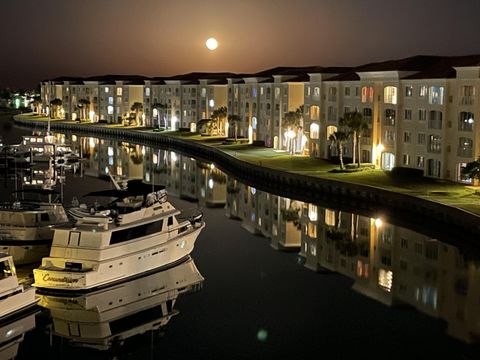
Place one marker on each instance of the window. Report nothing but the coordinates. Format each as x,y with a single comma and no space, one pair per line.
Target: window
390,95
421,139
106,89
135,232
420,161
308,90
433,167
367,94
110,100
408,91
389,117
119,91
407,136
434,144
332,94
406,159
423,91
465,121
5,270
465,147
329,217
147,91
312,232
261,90
435,120
408,114
367,115
254,92
467,95
332,114
110,109
314,131
422,115
204,92
347,91
316,91
435,95
277,92
389,136
314,112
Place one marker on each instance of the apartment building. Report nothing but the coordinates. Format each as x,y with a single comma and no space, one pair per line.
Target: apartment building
420,110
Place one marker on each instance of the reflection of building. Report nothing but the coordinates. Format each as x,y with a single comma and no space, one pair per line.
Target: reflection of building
395,266
108,317
272,216
185,177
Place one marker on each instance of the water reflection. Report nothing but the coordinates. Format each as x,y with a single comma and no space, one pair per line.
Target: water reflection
390,264
12,333
107,318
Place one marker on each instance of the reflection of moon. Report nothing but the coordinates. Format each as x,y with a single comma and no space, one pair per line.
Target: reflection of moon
211,44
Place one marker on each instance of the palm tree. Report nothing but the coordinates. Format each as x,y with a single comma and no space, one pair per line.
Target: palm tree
471,170
355,122
217,116
339,138
55,104
292,120
137,107
83,104
37,102
233,121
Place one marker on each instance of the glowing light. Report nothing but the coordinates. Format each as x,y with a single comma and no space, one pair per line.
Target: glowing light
110,151
174,121
262,335
173,156
154,158
210,183
380,148
378,222
291,134
91,115
212,166
211,44
211,103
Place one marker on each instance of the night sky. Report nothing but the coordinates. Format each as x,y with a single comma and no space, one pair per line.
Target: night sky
49,38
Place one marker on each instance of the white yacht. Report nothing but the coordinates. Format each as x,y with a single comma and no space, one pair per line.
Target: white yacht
14,297
28,224
109,316
135,233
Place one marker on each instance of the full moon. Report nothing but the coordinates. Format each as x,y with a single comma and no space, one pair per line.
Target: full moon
211,44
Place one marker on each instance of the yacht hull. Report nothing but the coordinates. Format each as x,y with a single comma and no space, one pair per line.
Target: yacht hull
16,303
117,269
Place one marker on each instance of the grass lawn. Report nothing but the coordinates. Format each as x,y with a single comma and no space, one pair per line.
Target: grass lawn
445,192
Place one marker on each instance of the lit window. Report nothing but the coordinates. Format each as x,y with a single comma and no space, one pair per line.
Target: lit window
466,121
314,131
390,95
406,159
423,91
147,91
367,94
385,279
119,91
110,109
211,103
314,112
106,89
316,91
435,95
408,91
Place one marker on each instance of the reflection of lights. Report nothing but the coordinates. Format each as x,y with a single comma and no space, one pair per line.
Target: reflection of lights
106,169
147,177
154,158
212,166
470,121
378,222
211,103
173,156
74,137
143,150
210,183
91,115
380,148
312,212
174,122
385,279
9,333
91,142
110,151
155,112
253,190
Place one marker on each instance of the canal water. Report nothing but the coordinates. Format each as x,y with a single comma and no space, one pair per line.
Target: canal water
281,276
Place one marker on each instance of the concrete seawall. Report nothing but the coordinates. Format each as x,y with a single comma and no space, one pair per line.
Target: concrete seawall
396,208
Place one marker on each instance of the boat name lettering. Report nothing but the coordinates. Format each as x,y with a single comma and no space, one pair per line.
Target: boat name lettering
64,279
